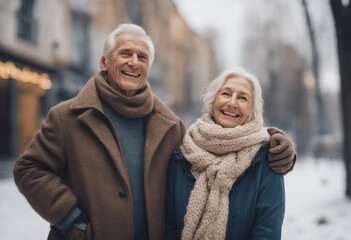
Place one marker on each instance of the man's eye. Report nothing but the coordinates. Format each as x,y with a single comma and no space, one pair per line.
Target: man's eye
143,58
124,54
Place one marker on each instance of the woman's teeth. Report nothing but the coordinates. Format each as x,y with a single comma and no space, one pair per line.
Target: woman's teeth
230,114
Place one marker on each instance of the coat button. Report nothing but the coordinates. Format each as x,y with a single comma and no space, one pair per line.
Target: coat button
122,194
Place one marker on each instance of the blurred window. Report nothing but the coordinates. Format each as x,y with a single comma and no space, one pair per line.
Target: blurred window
26,23
4,117
134,9
80,40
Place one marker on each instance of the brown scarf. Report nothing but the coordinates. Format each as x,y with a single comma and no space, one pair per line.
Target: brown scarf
218,156
135,106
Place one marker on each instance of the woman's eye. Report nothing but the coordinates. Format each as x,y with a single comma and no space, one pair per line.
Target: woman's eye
225,93
243,98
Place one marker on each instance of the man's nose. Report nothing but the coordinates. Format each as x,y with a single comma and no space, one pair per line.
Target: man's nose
134,62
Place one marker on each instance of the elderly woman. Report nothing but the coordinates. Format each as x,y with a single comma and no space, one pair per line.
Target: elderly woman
220,185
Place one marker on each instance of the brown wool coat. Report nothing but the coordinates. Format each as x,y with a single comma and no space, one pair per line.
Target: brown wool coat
76,158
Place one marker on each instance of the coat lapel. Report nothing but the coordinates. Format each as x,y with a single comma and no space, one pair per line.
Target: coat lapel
98,123
156,128
93,116
104,132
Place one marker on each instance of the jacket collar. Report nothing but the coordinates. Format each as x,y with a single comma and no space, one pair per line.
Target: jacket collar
260,155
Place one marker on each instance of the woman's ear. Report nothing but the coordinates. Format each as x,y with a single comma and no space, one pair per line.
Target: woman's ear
103,64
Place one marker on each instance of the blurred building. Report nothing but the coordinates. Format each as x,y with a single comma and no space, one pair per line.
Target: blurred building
50,48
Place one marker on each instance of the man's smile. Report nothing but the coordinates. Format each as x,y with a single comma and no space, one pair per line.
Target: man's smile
130,73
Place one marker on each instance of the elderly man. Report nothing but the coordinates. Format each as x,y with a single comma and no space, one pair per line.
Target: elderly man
97,167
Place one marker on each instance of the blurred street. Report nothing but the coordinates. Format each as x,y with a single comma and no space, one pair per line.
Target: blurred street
6,167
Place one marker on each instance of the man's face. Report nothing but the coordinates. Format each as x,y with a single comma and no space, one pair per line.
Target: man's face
128,64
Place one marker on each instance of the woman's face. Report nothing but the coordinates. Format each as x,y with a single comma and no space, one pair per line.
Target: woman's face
233,102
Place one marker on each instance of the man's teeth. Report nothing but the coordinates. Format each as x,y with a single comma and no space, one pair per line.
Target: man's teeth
231,114
131,74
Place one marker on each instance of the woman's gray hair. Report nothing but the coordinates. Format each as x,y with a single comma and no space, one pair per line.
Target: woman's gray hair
211,91
110,41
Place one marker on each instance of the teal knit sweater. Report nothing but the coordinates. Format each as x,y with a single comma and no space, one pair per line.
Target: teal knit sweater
131,135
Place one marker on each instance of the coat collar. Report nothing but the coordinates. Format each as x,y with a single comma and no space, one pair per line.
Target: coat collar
261,154
158,123
87,98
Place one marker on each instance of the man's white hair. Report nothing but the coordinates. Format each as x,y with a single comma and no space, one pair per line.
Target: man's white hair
210,92
110,41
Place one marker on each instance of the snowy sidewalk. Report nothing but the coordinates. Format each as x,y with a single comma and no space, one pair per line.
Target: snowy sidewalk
316,208
17,218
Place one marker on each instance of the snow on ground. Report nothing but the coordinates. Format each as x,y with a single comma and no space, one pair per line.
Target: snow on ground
316,207
17,219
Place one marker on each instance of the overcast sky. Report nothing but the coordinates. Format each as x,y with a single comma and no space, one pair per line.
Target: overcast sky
226,18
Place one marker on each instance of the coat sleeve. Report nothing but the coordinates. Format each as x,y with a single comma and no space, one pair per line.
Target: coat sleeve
183,129
38,172
270,206
171,227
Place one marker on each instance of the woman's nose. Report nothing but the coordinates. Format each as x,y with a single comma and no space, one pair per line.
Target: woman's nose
232,102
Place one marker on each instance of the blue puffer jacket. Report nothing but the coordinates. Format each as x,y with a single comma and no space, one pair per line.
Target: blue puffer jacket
257,200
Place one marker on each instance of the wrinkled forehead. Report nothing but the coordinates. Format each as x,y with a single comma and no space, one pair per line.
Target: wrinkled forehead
132,40
238,84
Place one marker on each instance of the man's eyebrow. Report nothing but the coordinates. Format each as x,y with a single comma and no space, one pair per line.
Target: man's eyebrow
124,50
128,50
143,53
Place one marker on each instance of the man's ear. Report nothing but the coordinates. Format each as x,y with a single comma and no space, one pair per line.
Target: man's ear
103,65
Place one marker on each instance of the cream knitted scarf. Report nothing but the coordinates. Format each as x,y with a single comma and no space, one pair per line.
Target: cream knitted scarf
218,156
